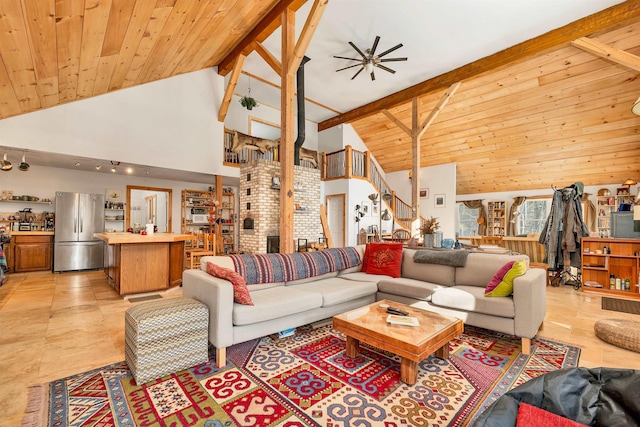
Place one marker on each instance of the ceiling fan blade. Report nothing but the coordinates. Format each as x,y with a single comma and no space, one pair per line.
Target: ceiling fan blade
358,50
390,50
386,69
373,76
392,59
375,45
350,66
356,74
350,59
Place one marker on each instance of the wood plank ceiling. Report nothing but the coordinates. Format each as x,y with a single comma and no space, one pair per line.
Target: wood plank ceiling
57,51
554,119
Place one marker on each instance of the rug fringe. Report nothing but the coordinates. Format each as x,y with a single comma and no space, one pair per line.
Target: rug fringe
36,412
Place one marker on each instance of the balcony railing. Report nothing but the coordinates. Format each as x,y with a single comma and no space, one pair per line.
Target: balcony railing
350,163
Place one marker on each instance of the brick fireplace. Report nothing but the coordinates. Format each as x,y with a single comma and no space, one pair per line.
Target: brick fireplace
260,201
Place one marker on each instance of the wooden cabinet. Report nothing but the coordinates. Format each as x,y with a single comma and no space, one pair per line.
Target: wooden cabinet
31,253
496,218
620,259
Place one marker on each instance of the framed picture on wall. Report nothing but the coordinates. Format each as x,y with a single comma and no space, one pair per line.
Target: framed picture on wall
439,200
366,208
114,195
424,193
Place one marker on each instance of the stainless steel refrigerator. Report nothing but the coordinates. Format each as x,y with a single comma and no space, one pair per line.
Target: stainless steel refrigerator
78,217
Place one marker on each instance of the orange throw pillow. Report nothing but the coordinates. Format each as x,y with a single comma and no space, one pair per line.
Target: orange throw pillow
240,291
383,258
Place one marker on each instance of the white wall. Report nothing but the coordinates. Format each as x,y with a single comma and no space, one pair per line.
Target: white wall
238,119
170,123
43,182
439,179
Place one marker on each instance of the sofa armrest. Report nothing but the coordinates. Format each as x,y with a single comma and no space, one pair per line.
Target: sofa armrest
217,294
530,300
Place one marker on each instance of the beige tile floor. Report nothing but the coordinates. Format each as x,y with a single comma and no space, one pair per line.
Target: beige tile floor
55,325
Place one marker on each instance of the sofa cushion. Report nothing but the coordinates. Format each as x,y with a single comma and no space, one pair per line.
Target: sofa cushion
311,279
505,287
435,273
383,258
472,298
410,288
274,303
240,291
336,290
364,277
481,267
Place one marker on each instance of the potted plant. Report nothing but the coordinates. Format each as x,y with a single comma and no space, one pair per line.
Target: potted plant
248,102
427,229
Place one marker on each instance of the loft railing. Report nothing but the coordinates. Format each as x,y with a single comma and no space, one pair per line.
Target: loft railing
350,163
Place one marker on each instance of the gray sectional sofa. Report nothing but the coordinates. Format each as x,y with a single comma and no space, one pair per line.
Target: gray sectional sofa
453,291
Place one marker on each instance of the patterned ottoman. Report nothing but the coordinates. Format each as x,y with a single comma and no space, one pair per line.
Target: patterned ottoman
166,336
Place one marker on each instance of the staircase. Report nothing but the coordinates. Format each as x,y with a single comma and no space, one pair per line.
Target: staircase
350,163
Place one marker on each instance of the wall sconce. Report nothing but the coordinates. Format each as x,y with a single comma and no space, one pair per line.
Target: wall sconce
636,108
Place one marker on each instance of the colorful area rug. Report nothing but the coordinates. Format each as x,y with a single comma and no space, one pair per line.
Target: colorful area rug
304,380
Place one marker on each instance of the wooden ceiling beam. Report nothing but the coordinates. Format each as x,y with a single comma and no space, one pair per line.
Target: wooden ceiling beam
268,57
259,33
231,86
607,52
306,34
618,15
434,113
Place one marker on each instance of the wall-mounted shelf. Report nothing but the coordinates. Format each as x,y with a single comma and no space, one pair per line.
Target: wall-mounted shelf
26,201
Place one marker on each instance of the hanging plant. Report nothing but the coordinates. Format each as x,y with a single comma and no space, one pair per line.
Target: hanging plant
248,102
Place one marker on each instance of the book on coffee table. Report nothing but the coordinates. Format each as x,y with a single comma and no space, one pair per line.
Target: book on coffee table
402,320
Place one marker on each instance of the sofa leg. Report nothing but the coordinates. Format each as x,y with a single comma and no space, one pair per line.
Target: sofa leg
526,345
221,357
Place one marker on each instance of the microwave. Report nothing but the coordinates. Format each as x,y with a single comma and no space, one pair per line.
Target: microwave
198,218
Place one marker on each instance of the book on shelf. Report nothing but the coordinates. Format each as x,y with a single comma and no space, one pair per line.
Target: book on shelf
402,320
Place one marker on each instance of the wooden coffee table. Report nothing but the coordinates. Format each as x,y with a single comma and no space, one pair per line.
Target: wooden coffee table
369,325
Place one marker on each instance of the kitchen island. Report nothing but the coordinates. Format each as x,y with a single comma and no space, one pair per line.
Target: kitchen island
136,263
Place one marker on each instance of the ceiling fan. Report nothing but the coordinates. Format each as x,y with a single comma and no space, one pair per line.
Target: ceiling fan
369,60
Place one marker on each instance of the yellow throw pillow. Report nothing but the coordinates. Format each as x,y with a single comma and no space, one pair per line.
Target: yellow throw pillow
505,288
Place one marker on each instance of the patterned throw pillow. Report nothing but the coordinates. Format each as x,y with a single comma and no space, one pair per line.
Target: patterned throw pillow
504,286
382,258
240,291
532,416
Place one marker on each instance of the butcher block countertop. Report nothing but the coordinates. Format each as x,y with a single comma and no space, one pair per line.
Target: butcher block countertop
30,233
128,238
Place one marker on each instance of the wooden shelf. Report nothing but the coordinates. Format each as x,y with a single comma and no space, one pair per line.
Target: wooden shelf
496,218
623,261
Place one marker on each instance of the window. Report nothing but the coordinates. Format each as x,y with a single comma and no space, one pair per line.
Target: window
532,216
467,221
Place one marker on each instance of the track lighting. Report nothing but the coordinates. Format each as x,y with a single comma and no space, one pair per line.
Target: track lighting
129,170
98,167
6,164
23,166
113,169
76,164
114,166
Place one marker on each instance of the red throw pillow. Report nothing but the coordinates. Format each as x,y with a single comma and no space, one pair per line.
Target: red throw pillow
532,416
383,258
240,291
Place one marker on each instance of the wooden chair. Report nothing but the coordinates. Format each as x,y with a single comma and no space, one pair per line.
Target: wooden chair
400,235
492,240
209,248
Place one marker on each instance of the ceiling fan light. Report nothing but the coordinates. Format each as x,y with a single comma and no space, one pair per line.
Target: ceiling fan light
368,67
636,108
